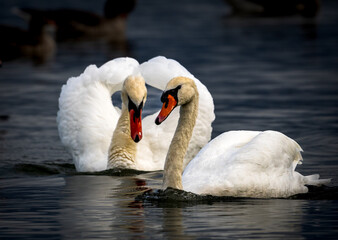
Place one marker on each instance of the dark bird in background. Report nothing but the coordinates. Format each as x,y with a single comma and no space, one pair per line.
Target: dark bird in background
75,24
36,42
275,8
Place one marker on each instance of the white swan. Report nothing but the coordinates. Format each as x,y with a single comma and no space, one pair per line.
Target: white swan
237,163
128,131
87,118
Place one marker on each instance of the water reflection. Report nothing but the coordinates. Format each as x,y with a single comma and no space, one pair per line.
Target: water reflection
91,203
29,207
86,207
173,224
277,8
238,219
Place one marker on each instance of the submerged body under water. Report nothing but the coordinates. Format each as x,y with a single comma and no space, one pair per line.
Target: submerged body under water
263,73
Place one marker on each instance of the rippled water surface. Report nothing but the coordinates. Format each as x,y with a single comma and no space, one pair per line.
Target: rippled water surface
263,73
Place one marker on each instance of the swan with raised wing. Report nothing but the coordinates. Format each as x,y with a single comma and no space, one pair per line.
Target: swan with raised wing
236,163
100,136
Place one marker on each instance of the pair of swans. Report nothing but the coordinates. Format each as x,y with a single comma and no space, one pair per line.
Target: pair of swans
236,163
97,134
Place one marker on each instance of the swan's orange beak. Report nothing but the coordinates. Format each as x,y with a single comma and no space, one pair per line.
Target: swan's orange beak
135,125
167,108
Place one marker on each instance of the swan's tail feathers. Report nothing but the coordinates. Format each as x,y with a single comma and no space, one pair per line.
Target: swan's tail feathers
314,180
298,159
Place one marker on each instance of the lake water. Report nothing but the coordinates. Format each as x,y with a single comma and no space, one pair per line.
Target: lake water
263,73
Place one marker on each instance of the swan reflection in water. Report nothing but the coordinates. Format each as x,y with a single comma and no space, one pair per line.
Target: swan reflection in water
105,205
93,204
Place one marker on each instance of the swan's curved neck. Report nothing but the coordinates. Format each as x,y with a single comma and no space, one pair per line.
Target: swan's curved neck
173,168
122,150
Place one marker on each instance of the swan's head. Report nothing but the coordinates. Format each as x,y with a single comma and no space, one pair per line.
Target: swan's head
179,91
134,95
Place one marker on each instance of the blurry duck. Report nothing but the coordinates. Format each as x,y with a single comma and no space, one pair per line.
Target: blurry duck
276,8
37,42
236,163
75,24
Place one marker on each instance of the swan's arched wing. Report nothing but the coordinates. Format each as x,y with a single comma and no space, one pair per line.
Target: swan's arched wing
246,163
213,159
86,118
114,72
157,72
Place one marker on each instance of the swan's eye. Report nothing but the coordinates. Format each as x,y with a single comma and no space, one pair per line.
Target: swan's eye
172,92
166,103
132,105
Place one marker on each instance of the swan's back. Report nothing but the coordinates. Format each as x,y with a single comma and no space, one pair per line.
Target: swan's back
86,118
157,72
250,164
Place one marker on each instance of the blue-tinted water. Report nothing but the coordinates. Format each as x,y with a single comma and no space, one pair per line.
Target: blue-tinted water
263,73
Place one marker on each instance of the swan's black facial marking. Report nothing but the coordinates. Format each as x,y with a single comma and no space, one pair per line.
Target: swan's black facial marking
132,105
172,92
170,101
135,115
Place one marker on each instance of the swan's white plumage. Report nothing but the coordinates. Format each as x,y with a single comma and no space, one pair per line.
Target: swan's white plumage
158,72
249,164
87,118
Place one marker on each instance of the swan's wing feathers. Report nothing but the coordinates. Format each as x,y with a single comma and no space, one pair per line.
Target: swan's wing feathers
217,153
251,164
268,150
117,70
158,72
86,118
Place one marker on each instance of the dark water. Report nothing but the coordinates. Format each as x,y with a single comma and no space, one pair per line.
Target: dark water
270,73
